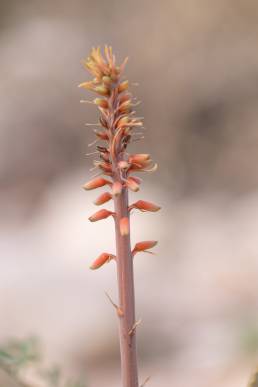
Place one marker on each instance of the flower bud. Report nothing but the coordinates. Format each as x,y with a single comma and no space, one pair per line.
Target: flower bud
123,86
140,167
96,183
125,107
145,206
101,102
143,167
117,188
86,85
102,90
124,121
124,97
99,215
105,166
103,135
139,158
101,260
132,184
103,198
124,226
143,246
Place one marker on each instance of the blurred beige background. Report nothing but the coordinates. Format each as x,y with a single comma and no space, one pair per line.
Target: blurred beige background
197,66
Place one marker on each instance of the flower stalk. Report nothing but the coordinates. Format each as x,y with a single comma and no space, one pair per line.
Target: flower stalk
117,122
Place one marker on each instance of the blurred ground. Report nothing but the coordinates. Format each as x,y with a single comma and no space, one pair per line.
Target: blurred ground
197,65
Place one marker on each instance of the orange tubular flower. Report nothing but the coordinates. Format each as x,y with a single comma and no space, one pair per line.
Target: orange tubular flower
132,184
103,198
139,158
145,206
99,215
118,121
101,260
96,183
143,247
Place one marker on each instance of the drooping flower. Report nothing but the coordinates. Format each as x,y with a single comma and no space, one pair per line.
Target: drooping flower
143,247
101,260
103,198
96,183
101,214
143,206
132,184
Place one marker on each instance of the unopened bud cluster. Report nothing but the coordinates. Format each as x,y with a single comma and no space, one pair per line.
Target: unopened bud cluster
118,122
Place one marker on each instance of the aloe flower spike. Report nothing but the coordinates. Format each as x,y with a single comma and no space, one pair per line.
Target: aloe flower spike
117,128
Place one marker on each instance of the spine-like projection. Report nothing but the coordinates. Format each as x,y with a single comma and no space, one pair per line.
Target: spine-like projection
116,128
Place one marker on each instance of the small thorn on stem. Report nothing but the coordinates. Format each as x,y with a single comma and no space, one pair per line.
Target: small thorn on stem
119,310
145,381
135,325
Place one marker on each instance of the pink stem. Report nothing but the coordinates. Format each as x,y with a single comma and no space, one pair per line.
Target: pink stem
126,296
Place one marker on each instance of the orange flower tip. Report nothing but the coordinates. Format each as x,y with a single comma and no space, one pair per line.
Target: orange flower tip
103,198
117,188
101,102
145,206
99,215
123,86
144,246
139,158
143,167
101,260
124,226
132,184
96,183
